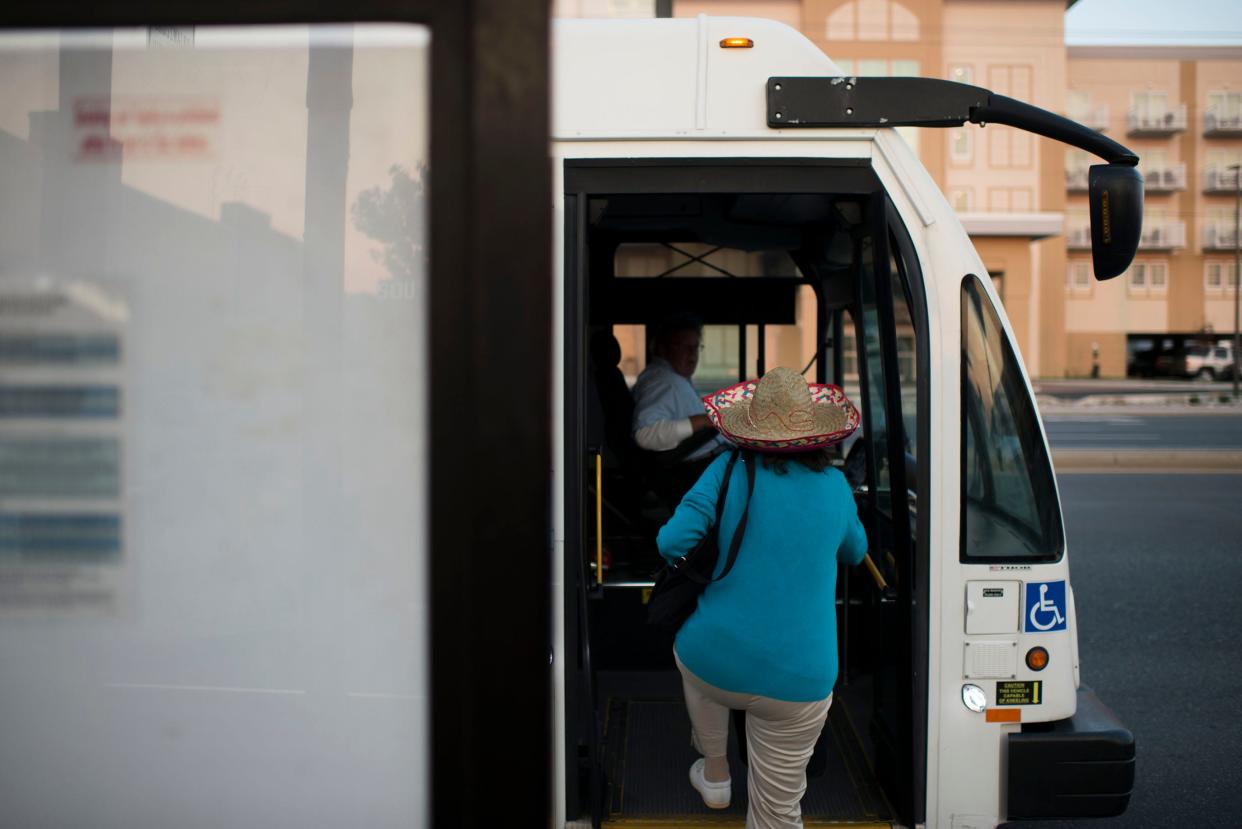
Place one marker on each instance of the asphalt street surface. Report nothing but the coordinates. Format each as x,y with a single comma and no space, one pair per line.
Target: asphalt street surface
1145,431
1156,563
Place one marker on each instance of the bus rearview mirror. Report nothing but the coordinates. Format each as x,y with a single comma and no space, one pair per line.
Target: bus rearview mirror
1116,196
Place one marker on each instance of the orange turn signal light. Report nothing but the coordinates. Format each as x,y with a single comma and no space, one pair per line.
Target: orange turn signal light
1037,659
737,43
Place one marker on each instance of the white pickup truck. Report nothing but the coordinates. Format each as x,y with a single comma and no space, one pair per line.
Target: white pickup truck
1209,362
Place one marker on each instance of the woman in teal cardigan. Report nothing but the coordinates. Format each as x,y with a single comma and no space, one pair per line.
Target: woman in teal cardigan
764,638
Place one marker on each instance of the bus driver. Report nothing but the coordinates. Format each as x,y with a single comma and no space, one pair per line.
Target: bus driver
668,412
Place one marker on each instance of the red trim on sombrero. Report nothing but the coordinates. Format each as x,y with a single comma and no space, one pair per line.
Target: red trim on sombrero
821,394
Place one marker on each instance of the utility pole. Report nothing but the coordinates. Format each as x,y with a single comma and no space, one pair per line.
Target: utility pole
1237,269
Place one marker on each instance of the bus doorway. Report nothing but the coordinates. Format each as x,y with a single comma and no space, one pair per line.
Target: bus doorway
787,262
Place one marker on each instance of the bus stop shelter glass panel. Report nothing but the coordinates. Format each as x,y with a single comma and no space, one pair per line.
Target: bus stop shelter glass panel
213,267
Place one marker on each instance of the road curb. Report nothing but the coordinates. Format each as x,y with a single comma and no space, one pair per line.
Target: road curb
1161,460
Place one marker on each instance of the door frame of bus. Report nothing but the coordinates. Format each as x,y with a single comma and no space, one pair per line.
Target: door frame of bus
585,177
489,192
913,559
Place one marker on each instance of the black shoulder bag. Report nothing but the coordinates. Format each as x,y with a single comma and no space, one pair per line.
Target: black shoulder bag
679,584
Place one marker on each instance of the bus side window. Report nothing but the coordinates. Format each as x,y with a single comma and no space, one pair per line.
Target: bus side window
1009,506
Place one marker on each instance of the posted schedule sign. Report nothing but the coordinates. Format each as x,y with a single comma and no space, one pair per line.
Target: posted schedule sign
62,517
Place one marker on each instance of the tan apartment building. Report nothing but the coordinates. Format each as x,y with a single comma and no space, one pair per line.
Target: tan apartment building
1180,109
1023,198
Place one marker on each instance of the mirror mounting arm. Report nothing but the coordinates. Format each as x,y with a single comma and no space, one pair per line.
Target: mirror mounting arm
1002,110
804,102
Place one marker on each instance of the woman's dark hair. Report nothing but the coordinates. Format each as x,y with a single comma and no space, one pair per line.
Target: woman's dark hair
816,460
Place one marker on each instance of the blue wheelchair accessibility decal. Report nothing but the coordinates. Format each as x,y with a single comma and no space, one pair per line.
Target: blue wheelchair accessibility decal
1045,606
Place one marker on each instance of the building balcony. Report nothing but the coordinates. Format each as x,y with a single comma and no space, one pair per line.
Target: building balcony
1163,236
1222,126
1156,125
1165,181
1220,237
1219,180
1077,181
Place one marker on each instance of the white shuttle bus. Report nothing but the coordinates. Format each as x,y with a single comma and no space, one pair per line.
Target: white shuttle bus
725,166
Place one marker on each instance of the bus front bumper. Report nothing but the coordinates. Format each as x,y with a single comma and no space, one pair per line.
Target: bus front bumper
1074,768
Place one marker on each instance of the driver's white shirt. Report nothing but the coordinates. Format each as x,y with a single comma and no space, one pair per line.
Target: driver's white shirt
664,402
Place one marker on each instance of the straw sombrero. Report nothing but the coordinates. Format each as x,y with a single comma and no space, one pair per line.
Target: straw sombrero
781,412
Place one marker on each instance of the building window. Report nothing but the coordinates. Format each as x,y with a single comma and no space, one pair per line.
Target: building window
1150,106
1217,274
962,199
962,145
879,68
1077,104
1158,275
1211,277
1148,279
872,20
1226,106
961,73
873,68
1216,173
1154,161
1078,277
1008,147
1010,199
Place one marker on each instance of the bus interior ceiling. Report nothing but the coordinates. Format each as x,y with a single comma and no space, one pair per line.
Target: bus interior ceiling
736,260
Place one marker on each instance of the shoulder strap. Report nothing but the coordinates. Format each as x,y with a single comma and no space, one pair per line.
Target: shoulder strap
720,500
736,542
724,488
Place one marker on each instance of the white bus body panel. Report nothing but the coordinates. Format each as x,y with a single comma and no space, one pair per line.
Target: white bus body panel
629,89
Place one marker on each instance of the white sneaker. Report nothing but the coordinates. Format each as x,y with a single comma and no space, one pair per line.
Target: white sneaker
715,795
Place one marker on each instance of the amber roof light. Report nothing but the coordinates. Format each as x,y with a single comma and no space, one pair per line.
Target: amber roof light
737,43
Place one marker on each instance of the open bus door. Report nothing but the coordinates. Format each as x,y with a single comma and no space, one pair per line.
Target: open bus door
890,335
820,236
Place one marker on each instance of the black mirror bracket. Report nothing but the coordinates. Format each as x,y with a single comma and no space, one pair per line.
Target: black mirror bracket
922,102
1115,189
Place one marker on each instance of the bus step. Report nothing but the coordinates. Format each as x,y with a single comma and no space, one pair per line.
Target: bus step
647,755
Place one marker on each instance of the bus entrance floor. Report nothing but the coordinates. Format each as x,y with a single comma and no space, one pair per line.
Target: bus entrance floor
647,757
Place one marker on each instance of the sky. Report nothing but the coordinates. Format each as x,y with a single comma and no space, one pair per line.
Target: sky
1197,22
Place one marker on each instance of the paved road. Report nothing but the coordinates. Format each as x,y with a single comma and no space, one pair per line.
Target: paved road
1145,431
1156,563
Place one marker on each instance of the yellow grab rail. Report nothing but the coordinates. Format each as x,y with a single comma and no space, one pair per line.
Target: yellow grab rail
599,518
875,572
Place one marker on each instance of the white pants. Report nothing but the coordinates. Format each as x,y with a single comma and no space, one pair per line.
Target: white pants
780,737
